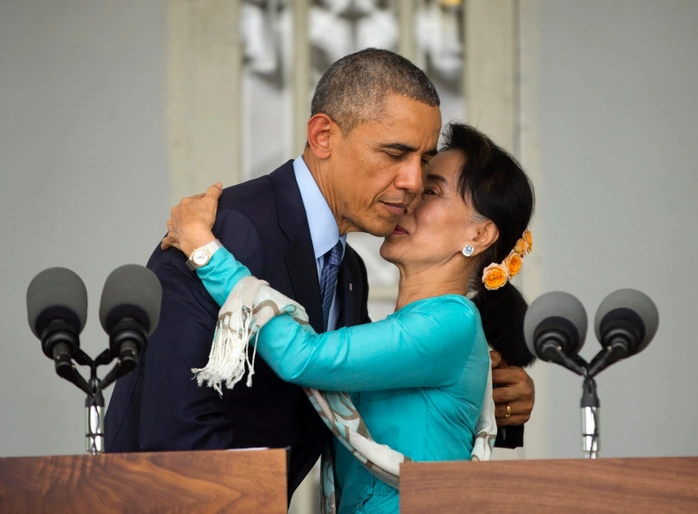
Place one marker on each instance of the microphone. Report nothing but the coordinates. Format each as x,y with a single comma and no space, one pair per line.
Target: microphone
555,326
57,310
625,323
129,311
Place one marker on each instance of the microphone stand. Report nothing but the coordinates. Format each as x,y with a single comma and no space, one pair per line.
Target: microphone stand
590,418
94,402
94,427
589,402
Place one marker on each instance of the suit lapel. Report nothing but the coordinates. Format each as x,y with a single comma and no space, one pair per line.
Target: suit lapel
299,255
300,260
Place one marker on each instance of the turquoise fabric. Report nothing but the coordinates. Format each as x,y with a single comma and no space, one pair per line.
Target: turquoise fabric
417,378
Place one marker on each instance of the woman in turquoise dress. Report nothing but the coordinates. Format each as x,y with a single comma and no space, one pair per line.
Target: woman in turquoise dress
419,377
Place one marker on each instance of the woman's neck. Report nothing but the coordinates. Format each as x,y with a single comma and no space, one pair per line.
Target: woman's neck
428,283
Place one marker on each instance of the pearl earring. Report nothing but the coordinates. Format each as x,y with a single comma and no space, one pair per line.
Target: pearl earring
468,250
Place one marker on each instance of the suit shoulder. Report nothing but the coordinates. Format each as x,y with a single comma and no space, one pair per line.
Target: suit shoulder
259,194
245,193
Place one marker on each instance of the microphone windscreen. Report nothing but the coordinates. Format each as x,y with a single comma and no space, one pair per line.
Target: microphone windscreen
631,306
56,293
552,306
131,291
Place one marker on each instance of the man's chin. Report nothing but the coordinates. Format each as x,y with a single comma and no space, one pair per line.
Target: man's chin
380,228
375,225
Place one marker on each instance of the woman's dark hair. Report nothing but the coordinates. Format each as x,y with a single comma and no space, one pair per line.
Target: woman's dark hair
495,186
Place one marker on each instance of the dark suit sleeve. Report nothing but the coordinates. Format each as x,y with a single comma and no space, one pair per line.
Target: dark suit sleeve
176,414
510,437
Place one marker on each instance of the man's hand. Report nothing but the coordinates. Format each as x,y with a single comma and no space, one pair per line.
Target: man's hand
513,392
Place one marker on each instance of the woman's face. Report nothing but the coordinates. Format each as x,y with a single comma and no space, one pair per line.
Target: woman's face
438,223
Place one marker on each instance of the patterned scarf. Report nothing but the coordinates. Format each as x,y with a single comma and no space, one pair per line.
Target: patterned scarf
250,305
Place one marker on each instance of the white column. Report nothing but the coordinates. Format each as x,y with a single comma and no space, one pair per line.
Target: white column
407,45
204,71
491,68
528,137
300,75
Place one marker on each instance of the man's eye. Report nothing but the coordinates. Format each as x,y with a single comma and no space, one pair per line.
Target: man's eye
395,156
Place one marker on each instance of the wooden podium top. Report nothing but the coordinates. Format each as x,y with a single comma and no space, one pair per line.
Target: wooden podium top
201,481
569,485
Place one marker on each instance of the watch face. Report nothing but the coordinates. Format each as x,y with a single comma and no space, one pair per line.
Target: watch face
200,257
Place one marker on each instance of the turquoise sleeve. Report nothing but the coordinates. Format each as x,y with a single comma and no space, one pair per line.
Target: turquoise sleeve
423,345
221,273
426,346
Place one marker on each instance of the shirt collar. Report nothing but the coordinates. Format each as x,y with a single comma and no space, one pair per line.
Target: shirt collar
324,232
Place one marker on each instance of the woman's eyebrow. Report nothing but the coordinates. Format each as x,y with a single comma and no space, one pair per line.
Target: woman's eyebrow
433,177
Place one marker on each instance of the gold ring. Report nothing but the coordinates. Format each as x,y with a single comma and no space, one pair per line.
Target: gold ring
508,414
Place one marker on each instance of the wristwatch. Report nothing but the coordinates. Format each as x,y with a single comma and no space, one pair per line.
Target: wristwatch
202,255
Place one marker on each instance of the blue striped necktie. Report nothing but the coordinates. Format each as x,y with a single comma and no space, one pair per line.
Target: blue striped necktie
328,280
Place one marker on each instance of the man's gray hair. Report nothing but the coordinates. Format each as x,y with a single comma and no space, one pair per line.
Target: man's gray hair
353,89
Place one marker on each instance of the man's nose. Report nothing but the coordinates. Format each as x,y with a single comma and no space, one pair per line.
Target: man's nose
410,177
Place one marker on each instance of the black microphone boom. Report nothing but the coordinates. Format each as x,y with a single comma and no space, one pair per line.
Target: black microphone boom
555,326
625,323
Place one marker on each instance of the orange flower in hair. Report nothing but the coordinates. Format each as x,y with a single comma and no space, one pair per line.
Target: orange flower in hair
513,264
529,240
497,275
494,276
521,247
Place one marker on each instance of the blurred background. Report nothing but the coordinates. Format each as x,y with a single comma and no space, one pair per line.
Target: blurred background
112,110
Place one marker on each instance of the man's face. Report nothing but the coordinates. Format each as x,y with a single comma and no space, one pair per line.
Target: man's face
377,168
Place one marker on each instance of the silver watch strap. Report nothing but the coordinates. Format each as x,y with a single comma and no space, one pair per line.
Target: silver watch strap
209,248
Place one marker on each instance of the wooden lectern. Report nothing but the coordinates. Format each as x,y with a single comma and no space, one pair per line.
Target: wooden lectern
635,485
202,481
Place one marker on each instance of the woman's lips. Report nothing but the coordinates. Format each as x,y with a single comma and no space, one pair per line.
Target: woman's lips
399,230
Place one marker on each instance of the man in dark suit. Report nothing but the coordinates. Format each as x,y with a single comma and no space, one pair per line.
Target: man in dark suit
375,122
263,222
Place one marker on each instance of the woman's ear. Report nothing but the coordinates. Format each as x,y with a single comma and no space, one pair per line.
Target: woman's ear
485,236
319,127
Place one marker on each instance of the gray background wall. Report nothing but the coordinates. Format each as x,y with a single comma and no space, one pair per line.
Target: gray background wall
618,121
84,184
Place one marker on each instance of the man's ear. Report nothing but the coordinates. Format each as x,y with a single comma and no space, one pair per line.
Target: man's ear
319,127
485,236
